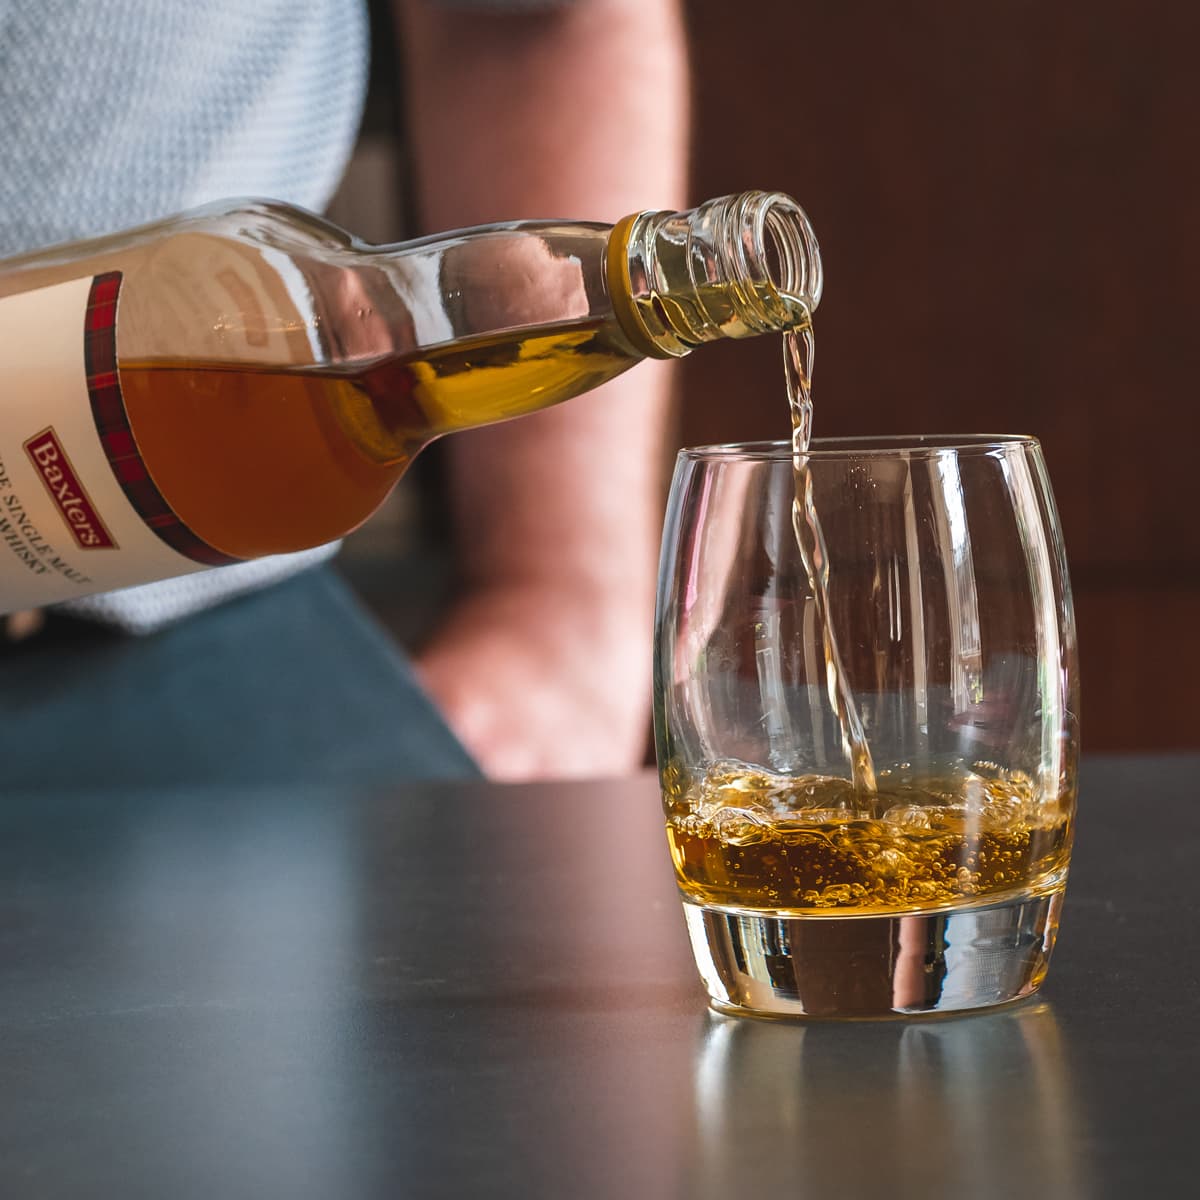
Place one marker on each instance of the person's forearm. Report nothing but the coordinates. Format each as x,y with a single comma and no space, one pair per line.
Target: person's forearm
574,110
580,113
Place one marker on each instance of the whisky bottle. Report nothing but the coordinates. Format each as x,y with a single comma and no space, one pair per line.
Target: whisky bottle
247,379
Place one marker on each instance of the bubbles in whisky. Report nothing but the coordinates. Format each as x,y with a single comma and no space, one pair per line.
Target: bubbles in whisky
742,837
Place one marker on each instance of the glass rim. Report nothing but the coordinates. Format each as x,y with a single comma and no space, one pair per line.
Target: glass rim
915,445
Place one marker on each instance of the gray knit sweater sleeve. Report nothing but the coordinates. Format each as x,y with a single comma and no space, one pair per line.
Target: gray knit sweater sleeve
116,112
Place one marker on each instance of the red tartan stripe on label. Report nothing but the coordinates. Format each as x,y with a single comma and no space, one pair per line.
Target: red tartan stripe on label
112,424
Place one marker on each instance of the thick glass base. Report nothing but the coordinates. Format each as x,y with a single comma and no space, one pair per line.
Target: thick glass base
874,966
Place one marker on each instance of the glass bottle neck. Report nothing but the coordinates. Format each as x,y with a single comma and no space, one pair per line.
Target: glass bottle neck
734,267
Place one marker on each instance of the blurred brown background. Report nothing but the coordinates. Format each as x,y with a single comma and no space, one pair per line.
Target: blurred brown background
1006,195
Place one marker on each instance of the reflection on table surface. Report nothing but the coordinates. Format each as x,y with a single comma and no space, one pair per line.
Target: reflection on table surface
477,991
977,1106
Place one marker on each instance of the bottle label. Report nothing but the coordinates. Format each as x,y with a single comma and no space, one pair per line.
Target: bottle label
79,512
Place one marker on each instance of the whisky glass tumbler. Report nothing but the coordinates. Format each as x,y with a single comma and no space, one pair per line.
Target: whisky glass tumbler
866,720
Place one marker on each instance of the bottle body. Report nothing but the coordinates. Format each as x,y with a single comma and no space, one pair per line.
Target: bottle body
248,380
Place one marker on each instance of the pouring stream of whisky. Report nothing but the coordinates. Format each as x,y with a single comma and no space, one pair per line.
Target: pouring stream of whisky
798,350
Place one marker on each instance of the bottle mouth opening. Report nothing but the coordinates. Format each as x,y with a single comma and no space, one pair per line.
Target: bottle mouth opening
734,267
790,258
771,254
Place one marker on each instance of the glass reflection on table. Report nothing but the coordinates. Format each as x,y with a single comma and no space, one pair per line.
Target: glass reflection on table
978,1106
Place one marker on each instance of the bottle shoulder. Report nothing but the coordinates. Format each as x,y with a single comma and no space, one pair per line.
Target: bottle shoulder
253,280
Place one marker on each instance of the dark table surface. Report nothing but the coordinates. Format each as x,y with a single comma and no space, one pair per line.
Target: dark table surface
471,990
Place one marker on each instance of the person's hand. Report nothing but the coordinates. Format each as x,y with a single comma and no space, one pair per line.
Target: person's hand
543,682
25,623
